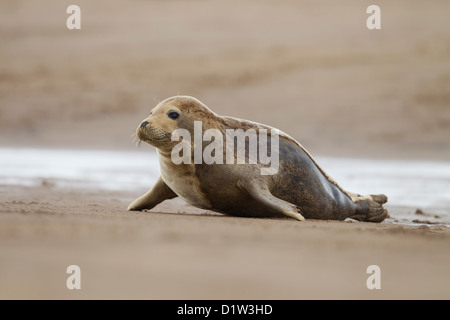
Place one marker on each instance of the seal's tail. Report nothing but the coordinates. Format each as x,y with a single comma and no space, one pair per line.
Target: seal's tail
370,207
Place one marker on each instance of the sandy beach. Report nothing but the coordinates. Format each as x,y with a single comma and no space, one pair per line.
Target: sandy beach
196,256
312,69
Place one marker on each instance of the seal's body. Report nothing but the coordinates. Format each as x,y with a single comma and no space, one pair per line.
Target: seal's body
299,189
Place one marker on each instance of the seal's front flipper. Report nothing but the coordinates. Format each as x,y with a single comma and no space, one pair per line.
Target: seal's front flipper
370,208
259,191
155,195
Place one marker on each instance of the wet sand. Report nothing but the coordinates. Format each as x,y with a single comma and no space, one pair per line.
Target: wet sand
312,70
174,255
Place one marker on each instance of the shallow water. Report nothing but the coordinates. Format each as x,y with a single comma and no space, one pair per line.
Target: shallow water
408,184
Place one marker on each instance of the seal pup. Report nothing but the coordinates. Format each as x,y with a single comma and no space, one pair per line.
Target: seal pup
299,189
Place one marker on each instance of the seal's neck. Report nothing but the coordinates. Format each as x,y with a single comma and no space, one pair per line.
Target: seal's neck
162,153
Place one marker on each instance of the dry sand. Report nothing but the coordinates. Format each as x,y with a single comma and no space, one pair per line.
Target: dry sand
311,69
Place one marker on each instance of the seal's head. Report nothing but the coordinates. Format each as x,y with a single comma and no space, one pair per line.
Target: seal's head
177,112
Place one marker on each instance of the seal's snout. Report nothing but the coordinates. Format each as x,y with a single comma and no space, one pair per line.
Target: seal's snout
144,124
152,134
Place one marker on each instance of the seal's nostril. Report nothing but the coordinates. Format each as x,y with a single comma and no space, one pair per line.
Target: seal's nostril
144,124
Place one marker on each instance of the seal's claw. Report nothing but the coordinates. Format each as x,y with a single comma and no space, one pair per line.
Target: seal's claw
300,217
131,207
294,215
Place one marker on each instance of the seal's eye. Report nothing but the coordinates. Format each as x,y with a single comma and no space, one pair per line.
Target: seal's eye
173,115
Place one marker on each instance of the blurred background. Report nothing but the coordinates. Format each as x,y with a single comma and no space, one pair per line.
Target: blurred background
309,68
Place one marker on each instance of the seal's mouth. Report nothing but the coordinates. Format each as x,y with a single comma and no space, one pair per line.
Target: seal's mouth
152,135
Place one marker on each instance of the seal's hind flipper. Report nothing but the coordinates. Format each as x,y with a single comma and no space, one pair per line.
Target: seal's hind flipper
370,208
